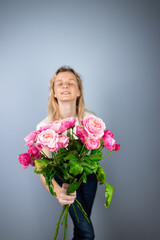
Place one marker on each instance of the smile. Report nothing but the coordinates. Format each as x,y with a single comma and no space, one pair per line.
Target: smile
66,93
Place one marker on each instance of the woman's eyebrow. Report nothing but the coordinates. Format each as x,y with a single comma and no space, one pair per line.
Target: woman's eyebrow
70,79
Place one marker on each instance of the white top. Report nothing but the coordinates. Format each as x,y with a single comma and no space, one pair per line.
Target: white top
46,120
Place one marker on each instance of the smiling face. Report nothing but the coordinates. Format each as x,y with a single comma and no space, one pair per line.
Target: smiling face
66,87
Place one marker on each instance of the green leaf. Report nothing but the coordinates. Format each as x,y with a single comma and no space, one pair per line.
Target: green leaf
84,177
78,144
75,167
40,164
88,170
101,177
73,187
108,195
72,156
93,157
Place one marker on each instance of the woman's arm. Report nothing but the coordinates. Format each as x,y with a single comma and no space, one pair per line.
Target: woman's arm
61,192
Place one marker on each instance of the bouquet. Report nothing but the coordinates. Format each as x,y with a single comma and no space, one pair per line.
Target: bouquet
76,151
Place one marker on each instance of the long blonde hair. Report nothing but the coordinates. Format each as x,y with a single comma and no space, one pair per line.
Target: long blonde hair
53,107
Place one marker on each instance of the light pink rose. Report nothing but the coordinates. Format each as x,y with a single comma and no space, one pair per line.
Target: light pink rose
69,122
24,159
94,126
92,143
81,133
34,152
31,138
58,126
49,139
109,143
63,141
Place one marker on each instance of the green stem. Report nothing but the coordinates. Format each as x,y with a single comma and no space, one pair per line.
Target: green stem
83,146
58,223
75,212
82,210
108,154
66,222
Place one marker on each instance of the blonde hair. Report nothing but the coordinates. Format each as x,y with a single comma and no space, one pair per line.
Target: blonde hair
53,107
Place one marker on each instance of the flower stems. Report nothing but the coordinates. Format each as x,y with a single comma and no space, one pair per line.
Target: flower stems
108,154
58,223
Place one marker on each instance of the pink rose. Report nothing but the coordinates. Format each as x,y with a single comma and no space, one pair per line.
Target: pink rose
106,133
45,127
63,141
58,126
24,159
94,125
49,139
34,152
81,133
117,147
31,138
92,143
69,122
109,143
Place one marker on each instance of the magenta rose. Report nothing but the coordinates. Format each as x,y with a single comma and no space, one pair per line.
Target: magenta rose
92,143
34,152
49,139
63,141
106,133
24,159
109,143
31,138
69,122
117,147
82,134
94,126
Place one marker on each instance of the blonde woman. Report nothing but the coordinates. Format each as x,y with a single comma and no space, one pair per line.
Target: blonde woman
66,100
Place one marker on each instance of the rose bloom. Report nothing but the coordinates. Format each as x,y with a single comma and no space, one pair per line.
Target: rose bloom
45,127
24,159
69,122
92,143
117,147
81,133
94,125
58,126
63,141
48,139
34,152
109,143
31,138
106,133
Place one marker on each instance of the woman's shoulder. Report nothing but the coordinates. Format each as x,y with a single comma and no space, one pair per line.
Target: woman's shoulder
42,123
88,112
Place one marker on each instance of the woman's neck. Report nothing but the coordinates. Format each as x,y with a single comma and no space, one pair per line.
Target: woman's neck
67,109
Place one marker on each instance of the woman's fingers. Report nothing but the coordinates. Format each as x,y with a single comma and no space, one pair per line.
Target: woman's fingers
65,198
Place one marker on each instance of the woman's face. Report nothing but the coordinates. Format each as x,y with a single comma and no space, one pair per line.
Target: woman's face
66,87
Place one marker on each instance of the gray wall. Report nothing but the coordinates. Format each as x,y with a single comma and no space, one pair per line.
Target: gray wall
114,45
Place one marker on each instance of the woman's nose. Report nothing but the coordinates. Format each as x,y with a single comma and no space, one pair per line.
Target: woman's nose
65,84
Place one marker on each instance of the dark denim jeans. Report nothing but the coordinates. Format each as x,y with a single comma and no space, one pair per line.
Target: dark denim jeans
85,195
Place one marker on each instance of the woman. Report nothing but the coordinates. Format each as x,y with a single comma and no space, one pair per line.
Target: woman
66,100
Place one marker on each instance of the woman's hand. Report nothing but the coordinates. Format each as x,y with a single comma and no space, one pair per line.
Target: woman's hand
65,198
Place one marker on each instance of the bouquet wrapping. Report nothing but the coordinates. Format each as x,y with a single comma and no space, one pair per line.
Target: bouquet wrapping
76,151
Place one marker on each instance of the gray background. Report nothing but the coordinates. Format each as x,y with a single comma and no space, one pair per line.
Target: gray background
114,45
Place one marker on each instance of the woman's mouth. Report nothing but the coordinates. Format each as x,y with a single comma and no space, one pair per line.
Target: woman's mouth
65,93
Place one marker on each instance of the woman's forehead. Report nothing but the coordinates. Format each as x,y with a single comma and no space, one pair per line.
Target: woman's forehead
65,76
